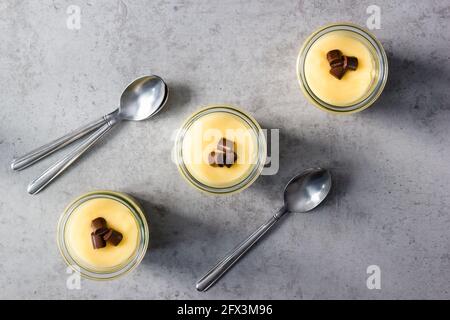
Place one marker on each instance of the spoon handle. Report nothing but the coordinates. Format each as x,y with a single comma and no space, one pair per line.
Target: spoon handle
228,261
56,169
47,149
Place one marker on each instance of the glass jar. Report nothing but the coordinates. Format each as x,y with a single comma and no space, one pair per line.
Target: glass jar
259,149
380,68
103,273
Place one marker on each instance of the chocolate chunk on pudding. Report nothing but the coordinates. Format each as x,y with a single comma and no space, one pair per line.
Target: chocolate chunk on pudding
334,56
114,237
212,159
338,72
225,145
98,223
97,241
350,63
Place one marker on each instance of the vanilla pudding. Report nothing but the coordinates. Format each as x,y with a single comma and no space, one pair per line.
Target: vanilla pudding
348,90
200,140
354,85
103,251
202,137
78,233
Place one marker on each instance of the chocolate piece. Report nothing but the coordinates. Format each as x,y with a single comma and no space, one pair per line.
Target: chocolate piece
114,237
225,159
101,232
230,159
220,159
334,56
97,241
98,223
337,63
225,145
338,72
350,63
212,159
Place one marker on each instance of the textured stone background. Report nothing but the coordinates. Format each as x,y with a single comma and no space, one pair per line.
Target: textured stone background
390,205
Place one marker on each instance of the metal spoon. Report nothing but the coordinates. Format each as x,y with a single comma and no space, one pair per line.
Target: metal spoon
302,194
142,99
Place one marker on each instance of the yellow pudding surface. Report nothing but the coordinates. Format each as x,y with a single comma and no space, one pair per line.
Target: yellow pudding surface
354,85
78,233
202,137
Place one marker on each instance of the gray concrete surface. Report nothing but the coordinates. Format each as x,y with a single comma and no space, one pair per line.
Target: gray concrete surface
390,206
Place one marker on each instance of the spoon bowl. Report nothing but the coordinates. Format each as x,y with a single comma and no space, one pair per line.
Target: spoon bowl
143,98
307,190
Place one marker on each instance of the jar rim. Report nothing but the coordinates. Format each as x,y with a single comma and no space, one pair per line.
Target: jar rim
380,56
108,273
244,182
